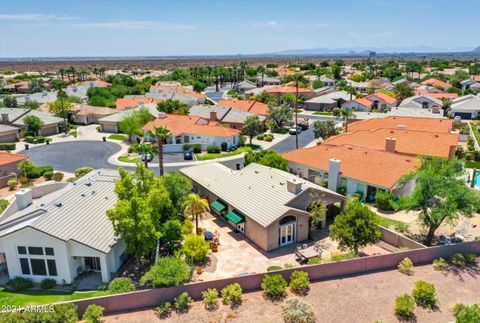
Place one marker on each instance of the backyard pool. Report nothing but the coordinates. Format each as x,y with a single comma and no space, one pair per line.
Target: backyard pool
476,180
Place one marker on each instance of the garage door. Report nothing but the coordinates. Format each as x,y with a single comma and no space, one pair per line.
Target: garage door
463,115
9,137
49,130
108,127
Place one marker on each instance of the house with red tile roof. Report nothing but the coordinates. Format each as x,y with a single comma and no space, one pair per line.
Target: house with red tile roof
436,95
437,83
254,107
377,101
132,103
434,125
356,170
193,130
9,166
358,104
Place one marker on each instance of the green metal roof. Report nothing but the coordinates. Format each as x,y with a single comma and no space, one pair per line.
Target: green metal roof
218,206
235,217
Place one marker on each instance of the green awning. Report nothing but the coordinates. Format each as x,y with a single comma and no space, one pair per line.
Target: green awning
235,217
218,206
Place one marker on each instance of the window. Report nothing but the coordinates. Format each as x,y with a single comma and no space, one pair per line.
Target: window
237,166
24,266
35,250
343,182
49,252
38,267
52,267
22,250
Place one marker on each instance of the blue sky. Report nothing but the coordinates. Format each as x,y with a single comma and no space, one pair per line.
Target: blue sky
179,27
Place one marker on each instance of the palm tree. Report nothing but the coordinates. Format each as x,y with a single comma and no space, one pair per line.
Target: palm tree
347,114
195,206
144,150
161,134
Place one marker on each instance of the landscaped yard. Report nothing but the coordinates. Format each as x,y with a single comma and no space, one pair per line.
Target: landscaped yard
130,158
239,150
117,137
323,113
38,297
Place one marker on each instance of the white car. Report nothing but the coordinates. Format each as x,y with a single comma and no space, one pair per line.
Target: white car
295,130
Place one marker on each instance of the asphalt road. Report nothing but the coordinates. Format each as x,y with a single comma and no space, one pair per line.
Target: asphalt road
304,138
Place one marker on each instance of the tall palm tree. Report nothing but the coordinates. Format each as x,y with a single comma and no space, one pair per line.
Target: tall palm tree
195,207
144,150
347,114
297,78
161,134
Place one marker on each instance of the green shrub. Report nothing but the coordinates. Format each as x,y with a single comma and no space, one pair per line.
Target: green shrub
274,285
164,309
29,139
40,139
58,177
232,294
424,294
260,137
224,146
383,200
197,148
41,170
48,175
82,171
187,147
471,259
19,283
48,283
183,302
296,311
93,314
439,264
12,183
74,133
210,298
458,260
121,285
343,256
195,247
466,314
404,306
3,205
315,261
187,227
213,149
274,267
299,282
8,146
168,272
406,266
23,180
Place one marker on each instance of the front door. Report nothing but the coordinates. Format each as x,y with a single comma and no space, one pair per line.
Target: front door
92,263
287,234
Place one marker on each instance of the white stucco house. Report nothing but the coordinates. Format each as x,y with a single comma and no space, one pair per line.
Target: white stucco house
466,107
62,233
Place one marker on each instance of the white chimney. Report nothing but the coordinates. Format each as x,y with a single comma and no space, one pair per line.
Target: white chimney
390,145
294,185
333,173
23,198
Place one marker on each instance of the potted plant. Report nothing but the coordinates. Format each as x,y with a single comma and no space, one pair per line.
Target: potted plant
214,246
199,270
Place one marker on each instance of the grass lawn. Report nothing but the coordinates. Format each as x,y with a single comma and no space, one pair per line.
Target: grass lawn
323,113
386,222
472,164
117,137
38,297
132,158
239,150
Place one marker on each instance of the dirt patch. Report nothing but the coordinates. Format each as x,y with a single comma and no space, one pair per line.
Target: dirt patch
364,298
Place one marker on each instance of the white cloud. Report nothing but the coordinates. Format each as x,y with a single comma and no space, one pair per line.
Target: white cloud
266,24
134,24
34,17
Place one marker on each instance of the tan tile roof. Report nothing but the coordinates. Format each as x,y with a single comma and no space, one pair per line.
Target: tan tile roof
411,123
8,158
180,124
245,105
287,89
367,165
85,109
436,82
130,103
436,95
387,98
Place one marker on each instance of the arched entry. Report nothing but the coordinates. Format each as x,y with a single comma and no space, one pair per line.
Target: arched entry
287,230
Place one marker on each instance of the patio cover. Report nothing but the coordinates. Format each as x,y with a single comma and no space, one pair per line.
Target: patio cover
218,206
235,217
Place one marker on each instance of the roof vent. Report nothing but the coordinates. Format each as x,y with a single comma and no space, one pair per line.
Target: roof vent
83,194
88,184
58,204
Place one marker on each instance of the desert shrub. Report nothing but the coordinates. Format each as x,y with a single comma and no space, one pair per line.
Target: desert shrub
296,311
48,175
315,261
260,137
401,227
8,146
48,283
383,200
3,205
74,133
224,146
57,177
183,302
12,183
164,309
213,149
187,147
274,267
466,314
458,260
23,180
299,282
121,285
424,294
93,314
439,264
471,259
19,283
167,272
82,171
195,247
343,256
197,148
406,266
287,266
232,294
210,298
404,306
274,285
268,138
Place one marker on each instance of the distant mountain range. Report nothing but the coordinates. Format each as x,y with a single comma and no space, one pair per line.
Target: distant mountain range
378,50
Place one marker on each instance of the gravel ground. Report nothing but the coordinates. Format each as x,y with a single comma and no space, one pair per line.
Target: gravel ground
364,298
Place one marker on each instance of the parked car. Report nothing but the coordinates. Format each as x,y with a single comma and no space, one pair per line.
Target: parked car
148,156
303,124
187,155
295,130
